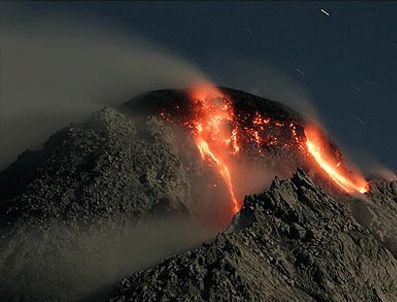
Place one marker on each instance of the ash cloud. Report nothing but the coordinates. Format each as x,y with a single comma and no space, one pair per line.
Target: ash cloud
61,267
58,71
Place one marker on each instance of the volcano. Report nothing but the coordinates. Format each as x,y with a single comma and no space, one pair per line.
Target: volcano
229,124
291,243
295,220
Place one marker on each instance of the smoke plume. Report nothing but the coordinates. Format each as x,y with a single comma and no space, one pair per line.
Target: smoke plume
61,266
56,72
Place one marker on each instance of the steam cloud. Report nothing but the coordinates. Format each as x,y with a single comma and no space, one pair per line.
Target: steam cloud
57,73
62,267
51,75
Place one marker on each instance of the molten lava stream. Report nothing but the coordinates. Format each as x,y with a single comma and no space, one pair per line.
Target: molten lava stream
348,181
222,168
212,113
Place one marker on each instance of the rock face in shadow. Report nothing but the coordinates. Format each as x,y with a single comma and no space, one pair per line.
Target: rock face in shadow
291,243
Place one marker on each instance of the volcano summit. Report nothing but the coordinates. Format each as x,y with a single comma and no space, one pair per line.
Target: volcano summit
227,124
295,221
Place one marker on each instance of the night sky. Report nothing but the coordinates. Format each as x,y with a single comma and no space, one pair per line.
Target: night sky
342,55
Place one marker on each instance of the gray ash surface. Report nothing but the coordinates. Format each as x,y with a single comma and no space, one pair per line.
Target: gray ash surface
103,168
66,210
291,243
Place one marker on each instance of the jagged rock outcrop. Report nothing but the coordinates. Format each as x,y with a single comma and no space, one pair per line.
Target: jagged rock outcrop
291,243
63,207
105,168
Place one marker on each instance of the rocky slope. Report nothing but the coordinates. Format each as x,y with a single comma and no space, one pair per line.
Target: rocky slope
101,168
63,207
291,243
377,211
77,216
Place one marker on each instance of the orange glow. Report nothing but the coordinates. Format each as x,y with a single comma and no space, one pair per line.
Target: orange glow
236,147
223,170
221,135
213,115
348,181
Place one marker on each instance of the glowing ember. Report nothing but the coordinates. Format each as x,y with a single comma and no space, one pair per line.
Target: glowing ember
213,115
220,135
349,182
223,170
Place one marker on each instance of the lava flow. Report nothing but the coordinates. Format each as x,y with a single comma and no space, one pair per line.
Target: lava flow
221,135
348,181
213,115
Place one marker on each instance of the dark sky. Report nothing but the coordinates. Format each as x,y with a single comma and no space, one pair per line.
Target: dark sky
345,57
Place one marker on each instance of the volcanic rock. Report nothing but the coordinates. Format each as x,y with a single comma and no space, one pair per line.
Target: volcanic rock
89,183
177,106
378,212
103,169
281,138
291,243
61,206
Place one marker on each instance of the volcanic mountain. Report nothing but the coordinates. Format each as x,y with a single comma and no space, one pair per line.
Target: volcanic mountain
323,233
291,243
244,124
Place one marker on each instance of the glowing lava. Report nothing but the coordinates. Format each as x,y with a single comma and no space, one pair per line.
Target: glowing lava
348,181
221,135
213,115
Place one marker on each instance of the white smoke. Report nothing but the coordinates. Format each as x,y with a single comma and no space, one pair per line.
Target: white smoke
57,71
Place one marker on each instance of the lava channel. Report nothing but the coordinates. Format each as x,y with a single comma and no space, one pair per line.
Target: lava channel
220,135
348,181
213,114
